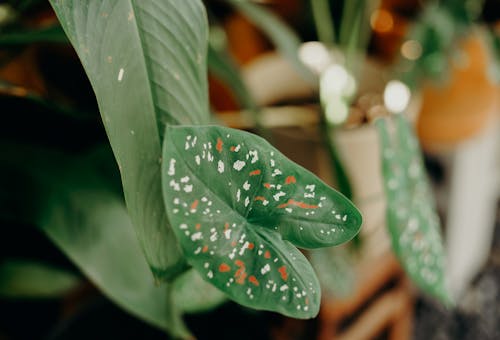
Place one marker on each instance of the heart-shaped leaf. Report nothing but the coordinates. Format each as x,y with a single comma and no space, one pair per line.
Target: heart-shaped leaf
238,207
146,61
411,217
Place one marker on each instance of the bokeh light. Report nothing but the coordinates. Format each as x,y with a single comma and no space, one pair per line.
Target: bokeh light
315,55
381,21
336,81
396,96
411,49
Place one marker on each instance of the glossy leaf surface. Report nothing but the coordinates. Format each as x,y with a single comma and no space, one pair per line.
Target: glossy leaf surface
411,217
146,61
239,208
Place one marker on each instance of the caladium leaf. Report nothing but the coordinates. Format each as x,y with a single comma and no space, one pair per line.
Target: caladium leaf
239,208
411,217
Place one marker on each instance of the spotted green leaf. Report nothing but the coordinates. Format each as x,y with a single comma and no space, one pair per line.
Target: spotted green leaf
411,217
239,208
146,61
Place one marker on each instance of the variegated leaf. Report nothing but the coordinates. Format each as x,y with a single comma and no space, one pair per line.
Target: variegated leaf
239,208
411,217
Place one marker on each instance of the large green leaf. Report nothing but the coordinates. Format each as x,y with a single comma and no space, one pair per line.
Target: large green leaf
78,206
146,61
411,217
238,207
29,279
91,225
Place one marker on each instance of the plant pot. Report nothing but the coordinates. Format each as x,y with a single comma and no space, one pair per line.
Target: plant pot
460,107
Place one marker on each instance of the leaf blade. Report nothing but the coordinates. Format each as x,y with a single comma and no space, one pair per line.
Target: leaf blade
238,207
412,221
132,53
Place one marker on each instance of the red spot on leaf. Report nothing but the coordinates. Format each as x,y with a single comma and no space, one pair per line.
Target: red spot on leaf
252,279
267,254
267,185
194,205
290,180
251,246
232,148
240,274
219,145
284,274
306,301
233,244
301,205
259,198
205,249
255,172
223,268
197,226
226,226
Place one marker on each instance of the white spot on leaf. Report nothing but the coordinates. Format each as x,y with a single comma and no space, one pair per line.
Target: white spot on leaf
120,74
238,165
220,166
171,167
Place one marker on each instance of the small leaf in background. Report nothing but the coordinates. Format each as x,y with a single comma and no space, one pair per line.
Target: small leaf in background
53,34
411,217
29,279
146,61
224,67
238,207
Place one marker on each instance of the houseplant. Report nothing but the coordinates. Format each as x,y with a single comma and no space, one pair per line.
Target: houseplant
143,103
339,72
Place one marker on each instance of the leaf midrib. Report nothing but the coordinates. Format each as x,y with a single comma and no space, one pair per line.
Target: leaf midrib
148,73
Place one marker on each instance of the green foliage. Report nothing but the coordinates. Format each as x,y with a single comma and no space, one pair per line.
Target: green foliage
146,61
77,206
412,220
52,33
147,64
237,206
29,279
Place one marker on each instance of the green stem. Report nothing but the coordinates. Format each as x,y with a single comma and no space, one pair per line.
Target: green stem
177,327
323,21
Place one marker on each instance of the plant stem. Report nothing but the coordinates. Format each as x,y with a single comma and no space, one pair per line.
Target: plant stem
177,327
323,21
